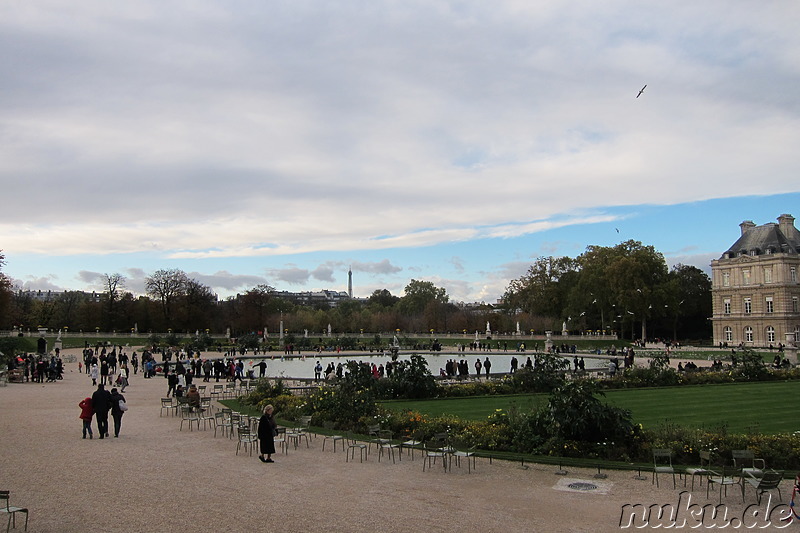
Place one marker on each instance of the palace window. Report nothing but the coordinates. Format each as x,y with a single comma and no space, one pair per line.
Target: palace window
768,275
728,334
748,334
726,279
770,334
793,274
746,276
768,305
748,306
726,306
794,304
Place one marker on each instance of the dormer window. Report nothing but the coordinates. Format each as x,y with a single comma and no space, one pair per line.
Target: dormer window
753,252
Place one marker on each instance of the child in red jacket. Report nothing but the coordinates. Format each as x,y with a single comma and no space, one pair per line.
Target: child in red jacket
87,411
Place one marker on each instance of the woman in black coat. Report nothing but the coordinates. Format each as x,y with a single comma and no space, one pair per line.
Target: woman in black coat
266,435
116,410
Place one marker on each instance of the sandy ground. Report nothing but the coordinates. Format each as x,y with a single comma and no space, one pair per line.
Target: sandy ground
157,478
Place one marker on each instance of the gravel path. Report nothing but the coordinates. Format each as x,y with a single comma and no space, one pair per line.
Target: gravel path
157,478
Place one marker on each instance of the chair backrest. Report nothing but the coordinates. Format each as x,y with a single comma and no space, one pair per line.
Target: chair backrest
770,480
744,458
373,430
5,495
662,456
385,434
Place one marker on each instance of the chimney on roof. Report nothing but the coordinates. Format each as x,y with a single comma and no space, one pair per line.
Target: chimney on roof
786,223
747,225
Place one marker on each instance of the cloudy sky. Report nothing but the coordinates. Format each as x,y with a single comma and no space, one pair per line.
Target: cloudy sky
285,142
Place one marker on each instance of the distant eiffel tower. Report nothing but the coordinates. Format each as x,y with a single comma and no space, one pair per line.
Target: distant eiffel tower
350,282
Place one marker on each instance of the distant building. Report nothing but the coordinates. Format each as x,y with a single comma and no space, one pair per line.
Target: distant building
313,298
755,288
48,296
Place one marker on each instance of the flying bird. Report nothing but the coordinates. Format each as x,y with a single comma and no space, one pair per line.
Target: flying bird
641,91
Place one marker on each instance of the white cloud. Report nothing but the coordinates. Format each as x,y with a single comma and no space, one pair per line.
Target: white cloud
221,130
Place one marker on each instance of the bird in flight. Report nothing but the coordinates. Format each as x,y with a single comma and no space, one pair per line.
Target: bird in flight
641,91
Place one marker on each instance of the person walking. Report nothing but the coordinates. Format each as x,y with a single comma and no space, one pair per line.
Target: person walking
101,402
266,435
94,374
118,408
487,366
104,370
123,377
87,411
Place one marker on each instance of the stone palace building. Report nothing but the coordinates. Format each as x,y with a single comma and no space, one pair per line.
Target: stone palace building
755,288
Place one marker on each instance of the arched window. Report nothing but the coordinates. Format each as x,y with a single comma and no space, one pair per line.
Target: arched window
770,334
728,333
748,334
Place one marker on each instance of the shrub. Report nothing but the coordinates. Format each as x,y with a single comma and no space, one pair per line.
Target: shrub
409,379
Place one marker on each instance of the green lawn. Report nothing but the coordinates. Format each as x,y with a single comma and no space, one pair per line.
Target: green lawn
767,407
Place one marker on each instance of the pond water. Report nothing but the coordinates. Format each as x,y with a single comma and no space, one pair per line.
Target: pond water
302,366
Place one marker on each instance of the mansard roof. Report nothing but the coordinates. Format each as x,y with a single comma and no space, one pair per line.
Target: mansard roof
766,239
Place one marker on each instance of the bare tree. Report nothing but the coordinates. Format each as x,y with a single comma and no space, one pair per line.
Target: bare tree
167,286
112,284
5,292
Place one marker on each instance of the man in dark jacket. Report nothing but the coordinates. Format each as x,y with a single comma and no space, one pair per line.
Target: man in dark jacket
101,401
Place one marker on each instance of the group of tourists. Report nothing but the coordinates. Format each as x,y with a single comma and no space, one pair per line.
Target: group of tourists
98,406
38,368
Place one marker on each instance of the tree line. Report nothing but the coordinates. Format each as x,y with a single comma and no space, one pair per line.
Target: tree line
626,288
608,289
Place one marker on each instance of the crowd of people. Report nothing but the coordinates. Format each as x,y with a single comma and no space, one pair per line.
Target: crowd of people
38,368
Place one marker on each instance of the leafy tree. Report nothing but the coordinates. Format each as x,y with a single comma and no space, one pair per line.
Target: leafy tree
544,289
623,283
382,298
687,302
166,286
199,304
418,294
